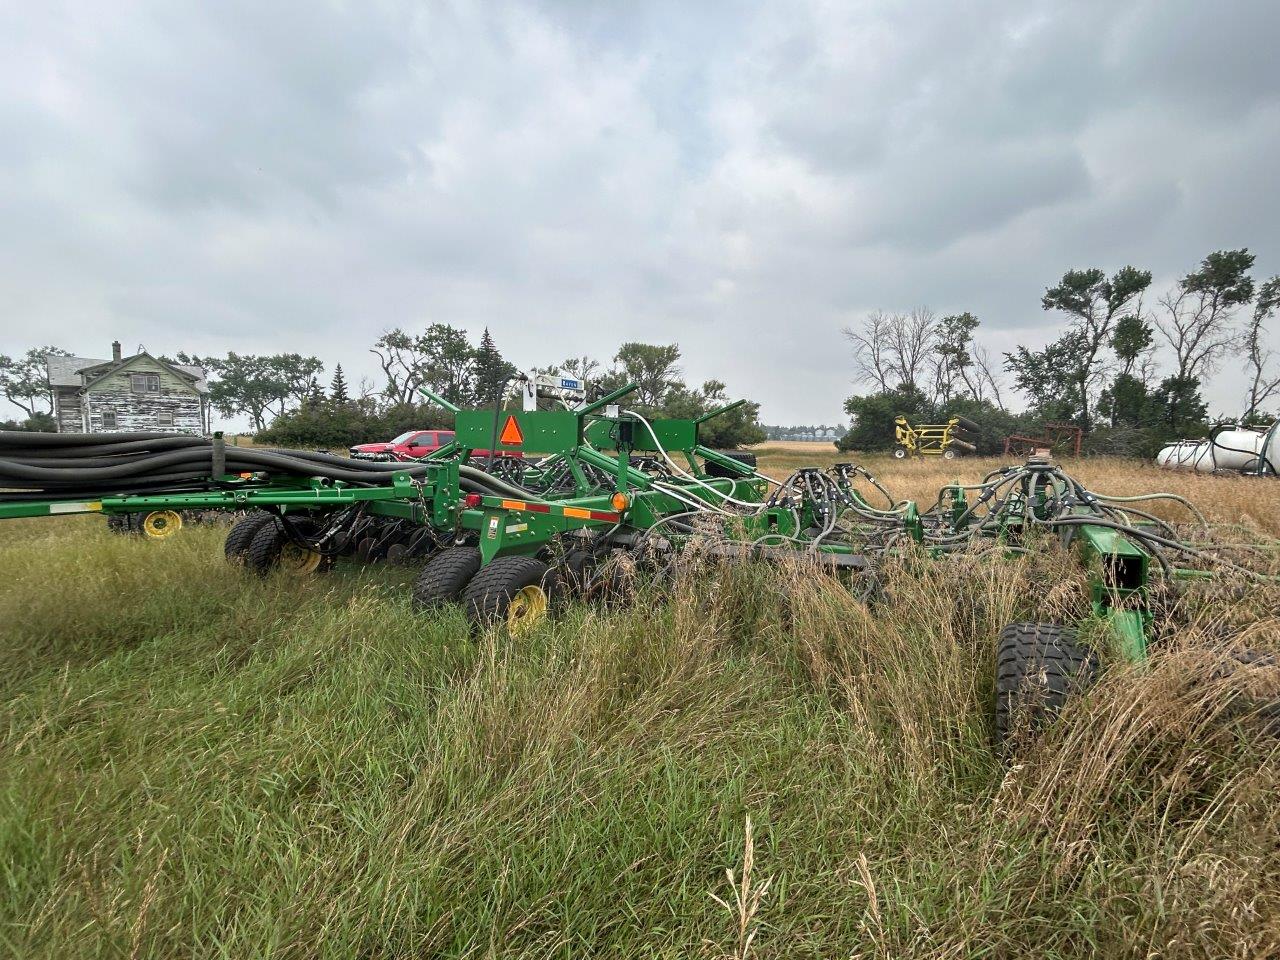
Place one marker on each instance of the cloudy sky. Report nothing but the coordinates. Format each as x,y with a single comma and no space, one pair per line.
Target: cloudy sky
744,179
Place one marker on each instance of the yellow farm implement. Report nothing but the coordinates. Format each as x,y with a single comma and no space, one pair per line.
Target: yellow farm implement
932,439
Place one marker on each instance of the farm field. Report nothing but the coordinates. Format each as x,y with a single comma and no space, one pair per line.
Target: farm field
194,762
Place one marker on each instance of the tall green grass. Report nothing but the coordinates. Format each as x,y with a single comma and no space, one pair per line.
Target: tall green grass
197,763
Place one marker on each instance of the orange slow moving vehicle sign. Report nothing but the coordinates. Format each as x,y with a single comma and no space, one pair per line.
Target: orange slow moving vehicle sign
511,435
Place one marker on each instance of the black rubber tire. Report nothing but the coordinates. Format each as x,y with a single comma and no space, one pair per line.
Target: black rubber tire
263,552
491,591
241,535
575,569
126,524
964,423
445,576
900,452
949,454
1039,666
715,470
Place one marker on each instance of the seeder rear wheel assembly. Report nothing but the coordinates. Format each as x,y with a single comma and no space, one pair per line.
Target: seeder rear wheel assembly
515,592
275,547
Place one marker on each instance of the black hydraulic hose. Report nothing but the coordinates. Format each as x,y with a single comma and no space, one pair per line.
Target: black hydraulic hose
109,460
17,470
22,438
385,467
76,464
496,483
101,449
238,460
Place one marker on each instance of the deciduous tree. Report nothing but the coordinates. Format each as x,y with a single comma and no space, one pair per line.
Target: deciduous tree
1196,315
1093,301
258,386
890,349
24,380
448,363
652,367
1263,383
953,359
1052,378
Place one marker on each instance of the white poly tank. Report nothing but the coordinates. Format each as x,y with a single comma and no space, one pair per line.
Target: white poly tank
1232,448
1186,455
1237,448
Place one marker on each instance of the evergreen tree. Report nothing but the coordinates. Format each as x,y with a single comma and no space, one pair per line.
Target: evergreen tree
314,396
338,386
491,372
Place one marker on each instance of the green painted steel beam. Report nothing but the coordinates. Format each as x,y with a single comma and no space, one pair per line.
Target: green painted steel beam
719,411
314,494
439,400
1129,629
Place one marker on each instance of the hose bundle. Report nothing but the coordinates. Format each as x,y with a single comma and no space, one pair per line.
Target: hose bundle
77,465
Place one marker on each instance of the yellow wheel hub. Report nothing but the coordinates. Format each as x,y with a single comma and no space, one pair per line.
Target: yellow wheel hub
527,609
161,524
299,560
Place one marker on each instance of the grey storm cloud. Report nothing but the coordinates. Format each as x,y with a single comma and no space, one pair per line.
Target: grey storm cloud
742,178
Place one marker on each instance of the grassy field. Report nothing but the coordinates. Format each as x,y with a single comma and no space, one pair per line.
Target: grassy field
196,763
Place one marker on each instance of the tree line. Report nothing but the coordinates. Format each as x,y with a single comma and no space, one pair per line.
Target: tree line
285,402
442,359
1103,373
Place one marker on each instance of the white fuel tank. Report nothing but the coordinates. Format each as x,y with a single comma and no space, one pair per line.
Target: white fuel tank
1186,455
1231,448
1237,448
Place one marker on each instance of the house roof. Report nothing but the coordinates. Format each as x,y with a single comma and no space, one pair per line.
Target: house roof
65,371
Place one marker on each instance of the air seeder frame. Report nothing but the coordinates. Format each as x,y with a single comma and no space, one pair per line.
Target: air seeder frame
608,482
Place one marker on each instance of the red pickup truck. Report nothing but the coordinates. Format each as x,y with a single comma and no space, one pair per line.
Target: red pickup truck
414,445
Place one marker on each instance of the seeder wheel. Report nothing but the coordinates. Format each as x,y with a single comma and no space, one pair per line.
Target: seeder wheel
516,592
241,535
1039,666
272,548
161,524
445,576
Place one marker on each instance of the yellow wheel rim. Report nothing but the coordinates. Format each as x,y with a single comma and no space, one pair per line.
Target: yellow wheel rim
161,524
527,609
299,560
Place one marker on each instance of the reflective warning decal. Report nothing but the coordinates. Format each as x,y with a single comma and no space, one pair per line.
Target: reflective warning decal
511,435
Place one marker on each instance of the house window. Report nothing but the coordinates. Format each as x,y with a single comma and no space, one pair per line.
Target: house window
164,418
145,382
108,420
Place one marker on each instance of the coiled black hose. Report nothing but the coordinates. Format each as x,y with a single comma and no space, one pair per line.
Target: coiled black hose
70,465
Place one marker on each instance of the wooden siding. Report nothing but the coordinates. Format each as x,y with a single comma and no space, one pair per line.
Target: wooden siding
66,409
113,393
